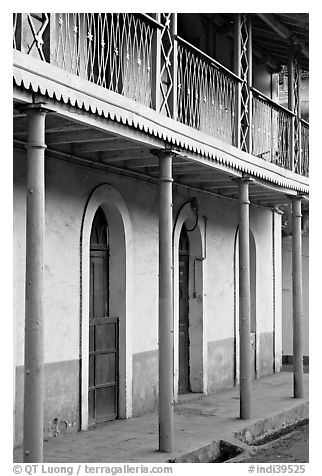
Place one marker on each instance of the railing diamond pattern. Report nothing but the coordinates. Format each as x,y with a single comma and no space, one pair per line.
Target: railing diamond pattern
206,96
244,74
166,83
271,137
112,50
296,96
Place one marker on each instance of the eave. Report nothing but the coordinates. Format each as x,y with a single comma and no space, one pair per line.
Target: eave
70,96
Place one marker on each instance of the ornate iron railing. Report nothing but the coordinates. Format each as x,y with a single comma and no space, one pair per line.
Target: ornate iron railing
304,148
112,50
142,58
271,131
206,97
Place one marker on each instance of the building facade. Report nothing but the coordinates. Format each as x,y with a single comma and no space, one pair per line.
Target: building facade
151,156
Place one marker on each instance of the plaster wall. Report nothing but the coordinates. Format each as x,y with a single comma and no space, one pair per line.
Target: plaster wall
261,227
287,334
68,188
277,223
267,297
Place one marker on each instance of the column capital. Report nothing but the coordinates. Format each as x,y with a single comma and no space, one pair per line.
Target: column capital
297,206
36,115
297,198
34,107
243,191
164,152
277,210
244,179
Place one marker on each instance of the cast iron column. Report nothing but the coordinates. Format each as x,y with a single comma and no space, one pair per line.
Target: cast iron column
244,301
297,297
165,305
34,346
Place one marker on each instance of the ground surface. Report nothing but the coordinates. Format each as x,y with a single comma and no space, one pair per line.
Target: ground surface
199,424
291,448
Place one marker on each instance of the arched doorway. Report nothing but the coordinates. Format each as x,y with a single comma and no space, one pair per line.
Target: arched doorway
184,358
189,247
103,330
121,291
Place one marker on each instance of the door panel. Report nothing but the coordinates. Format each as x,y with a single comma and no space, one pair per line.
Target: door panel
184,385
103,369
91,406
105,403
105,337
99,285
103,331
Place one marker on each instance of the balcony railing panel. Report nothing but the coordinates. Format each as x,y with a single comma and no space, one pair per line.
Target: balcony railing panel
206,94
271,131
112,50
143,59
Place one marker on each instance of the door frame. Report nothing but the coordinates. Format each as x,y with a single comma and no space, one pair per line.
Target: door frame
121,264
99,249
185,257
197,302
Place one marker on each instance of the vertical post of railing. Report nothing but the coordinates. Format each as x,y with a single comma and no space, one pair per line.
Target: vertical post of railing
165,304
17,30
24,33
243,55
34,332
156,66
174,66
52,38
250,82
297,297
290,92
298,118
272,116
237,72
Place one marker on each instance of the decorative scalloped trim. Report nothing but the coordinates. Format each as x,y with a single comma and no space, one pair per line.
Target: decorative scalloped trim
53,90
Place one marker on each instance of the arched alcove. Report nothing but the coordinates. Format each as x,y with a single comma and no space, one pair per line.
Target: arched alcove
120,243
195,294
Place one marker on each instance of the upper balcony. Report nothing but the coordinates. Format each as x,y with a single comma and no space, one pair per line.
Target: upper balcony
167,64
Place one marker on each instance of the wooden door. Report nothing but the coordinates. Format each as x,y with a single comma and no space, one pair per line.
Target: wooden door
103,330
184,383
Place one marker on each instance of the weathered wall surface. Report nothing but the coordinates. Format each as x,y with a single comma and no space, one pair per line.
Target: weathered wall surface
67,190
145,382
287,294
